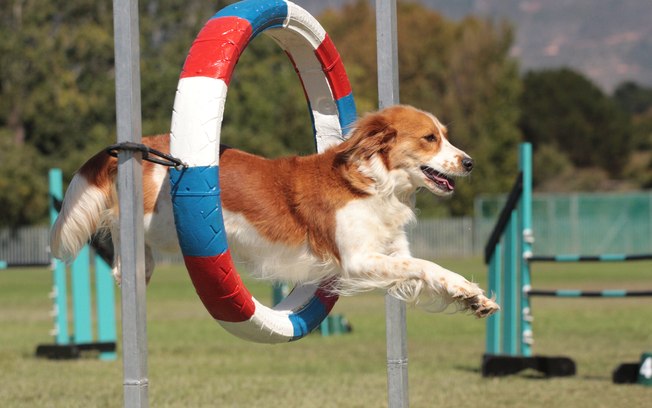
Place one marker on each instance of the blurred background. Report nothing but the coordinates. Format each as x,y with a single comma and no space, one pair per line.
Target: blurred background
574,78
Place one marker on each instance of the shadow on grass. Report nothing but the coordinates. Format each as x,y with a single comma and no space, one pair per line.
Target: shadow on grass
527,373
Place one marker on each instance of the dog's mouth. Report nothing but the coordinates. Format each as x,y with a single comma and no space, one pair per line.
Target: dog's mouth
442,181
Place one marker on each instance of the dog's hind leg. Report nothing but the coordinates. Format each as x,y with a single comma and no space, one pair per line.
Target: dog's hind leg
116,270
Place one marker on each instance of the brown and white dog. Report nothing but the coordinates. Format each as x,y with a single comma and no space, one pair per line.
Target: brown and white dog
341,213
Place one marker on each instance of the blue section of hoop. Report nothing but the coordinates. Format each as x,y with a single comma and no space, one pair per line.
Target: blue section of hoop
261,14
197,210
346,112
307,319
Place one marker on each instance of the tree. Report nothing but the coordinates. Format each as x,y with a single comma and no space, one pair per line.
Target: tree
633,98
636,100
56,74
564,109
23,185
57,96
57,83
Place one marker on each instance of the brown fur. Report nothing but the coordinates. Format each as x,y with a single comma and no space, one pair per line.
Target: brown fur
278,196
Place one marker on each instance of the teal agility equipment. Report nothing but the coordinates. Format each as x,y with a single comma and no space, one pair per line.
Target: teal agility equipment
508,271
332,325
73,329
509,256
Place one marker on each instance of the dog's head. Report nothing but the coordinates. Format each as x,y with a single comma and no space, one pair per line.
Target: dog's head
410,142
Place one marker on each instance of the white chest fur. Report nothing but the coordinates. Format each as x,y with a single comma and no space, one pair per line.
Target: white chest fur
373,225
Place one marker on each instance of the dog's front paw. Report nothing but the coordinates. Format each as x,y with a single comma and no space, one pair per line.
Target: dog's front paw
480,305
471,297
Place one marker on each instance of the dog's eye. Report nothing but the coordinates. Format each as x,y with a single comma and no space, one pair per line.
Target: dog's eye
430,138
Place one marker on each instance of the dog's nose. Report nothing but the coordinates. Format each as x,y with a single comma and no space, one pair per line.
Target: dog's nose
467,162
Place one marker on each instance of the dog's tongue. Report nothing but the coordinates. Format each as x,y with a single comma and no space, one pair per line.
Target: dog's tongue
450,184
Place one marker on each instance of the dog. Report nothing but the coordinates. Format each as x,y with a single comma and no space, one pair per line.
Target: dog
341,213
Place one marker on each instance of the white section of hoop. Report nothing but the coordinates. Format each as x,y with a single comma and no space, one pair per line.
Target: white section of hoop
197,120
264,326
268,325
303,23
324,110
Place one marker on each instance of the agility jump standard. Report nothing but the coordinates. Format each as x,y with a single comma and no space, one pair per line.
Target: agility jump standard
67,346
509,255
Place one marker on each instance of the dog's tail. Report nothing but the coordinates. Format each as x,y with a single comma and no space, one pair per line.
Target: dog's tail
86,206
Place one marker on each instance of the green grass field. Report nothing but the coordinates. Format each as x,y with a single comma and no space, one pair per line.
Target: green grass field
194,363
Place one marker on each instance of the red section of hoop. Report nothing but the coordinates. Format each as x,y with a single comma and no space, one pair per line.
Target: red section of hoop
333,67
326,295
217,48
220,288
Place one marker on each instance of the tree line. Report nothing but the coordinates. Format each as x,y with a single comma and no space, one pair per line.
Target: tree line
57,97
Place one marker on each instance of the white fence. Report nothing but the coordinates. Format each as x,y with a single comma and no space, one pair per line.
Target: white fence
24,246
580,223
442,238
430,239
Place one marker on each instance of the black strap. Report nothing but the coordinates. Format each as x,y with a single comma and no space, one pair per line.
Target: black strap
149,154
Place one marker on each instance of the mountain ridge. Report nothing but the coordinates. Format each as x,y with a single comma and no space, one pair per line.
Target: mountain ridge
609,41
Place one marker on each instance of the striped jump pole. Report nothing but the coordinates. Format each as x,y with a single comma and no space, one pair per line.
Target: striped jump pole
590,258
572,293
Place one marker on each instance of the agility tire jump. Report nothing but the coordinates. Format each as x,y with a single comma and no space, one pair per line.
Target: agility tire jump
195,139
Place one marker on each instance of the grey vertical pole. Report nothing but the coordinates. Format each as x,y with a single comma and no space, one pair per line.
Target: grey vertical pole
130,193
395,316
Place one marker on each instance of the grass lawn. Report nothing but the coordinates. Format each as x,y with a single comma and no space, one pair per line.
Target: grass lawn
194,363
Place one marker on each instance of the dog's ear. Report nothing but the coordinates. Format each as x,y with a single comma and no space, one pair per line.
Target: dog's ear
373,134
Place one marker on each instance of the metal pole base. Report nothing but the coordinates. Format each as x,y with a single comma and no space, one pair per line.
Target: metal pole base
501,365
635,373
72,351
626,373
